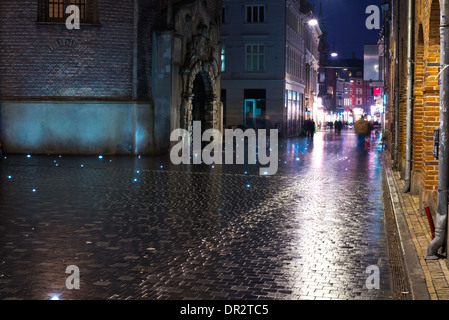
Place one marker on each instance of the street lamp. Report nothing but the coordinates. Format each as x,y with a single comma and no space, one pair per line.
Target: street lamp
334,53
313,22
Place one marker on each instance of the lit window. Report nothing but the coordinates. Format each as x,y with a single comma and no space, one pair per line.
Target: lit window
55,10
82,7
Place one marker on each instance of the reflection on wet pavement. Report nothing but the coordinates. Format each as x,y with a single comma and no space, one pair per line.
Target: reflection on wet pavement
142,228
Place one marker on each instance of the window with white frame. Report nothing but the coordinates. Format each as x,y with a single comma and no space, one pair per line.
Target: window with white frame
255,58
255,14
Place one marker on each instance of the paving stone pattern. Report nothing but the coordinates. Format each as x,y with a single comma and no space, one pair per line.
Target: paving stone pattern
141,228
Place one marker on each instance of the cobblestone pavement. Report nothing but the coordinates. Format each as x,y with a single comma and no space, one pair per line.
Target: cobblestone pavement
142,228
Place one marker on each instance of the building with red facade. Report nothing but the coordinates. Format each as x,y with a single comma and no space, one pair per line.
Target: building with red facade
344,93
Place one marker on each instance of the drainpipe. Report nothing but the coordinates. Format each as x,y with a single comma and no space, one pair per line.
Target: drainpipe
396,86
170,14
443,162
410,62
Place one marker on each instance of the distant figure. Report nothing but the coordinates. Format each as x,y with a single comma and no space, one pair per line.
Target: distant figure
363,130
310,128
338,126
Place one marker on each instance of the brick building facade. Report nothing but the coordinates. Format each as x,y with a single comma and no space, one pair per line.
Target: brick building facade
117,85
425,107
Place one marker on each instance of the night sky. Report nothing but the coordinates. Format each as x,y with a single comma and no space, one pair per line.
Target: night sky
345,22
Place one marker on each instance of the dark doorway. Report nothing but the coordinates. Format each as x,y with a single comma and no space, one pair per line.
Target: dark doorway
199,99
202,99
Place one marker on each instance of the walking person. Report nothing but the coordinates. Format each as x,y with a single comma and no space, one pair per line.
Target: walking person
306,127
361,128
338,126
309,127
312,128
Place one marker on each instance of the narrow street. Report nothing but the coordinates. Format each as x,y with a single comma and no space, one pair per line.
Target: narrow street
142,228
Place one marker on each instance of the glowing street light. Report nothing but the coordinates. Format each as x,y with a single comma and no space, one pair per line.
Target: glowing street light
334,53
313,22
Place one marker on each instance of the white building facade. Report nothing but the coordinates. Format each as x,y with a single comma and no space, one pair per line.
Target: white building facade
270,63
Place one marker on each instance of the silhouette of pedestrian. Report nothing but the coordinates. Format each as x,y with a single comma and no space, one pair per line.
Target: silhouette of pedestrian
338,126
310,128
363,131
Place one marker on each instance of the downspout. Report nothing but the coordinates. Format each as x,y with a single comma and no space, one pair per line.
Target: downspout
443,162
170,14
410,62
396,86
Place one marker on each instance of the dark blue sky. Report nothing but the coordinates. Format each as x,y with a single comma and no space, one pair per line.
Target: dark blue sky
345,22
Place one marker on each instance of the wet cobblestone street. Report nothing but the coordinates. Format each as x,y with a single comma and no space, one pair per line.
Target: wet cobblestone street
142,228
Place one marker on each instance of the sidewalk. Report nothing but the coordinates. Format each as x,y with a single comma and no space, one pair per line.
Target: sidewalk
429,279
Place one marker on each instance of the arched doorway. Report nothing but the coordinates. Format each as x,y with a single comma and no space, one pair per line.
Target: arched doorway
200,106
202,99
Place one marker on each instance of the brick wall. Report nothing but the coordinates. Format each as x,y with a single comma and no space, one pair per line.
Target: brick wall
48,60
426,96
402,100
418,111
431,94
401,48
89,90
